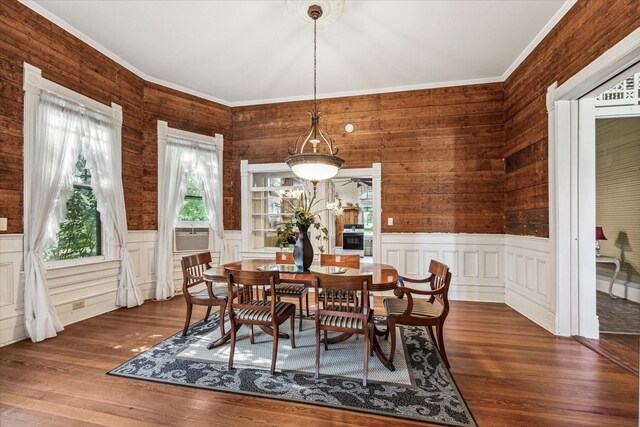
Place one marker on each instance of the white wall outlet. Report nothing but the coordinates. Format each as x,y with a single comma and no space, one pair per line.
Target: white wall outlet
77,305
389,221
3,224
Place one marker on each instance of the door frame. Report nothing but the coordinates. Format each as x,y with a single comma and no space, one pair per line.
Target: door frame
571,206
375,173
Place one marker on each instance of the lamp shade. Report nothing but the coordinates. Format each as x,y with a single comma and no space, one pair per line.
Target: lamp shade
600,234
314,166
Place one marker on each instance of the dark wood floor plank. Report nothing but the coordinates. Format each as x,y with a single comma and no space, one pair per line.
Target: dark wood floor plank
510,371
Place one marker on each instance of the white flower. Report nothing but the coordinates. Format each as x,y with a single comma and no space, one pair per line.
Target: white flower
332,206
295,194
282,193
277,200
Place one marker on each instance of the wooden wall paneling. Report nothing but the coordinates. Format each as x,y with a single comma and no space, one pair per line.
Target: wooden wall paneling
28,37
434,145
589,29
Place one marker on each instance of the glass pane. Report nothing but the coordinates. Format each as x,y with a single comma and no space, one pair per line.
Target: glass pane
266,213
193,204
79,234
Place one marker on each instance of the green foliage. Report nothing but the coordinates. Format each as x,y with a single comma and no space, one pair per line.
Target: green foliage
193,205
79,233
300,203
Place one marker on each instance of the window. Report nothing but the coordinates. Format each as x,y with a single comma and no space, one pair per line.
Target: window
80,232
193,209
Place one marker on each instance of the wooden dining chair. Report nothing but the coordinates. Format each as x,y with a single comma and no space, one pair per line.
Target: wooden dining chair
193,267
416,311
252,310
343,315
346,261
291,290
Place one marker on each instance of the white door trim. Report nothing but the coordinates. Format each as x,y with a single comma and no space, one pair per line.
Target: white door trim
564,173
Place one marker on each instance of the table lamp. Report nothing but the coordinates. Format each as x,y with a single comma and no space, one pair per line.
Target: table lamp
599,236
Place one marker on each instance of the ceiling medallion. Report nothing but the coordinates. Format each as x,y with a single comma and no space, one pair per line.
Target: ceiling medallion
331,10
314,166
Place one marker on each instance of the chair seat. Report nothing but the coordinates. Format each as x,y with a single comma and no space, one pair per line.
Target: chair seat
288,289
219,292
342,321
340,295
421,307
264,316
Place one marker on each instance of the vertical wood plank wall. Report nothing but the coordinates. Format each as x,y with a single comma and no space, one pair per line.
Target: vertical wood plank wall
442,149
588,30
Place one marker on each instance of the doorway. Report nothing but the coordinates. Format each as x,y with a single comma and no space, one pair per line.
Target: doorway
357,231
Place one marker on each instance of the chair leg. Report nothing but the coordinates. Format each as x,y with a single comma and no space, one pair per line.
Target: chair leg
187,320
234,331
317,353
391,325
293,330
326,338
366,358
251,339
433,337
274,352
206,316
299,305
223,308
307,304
443,353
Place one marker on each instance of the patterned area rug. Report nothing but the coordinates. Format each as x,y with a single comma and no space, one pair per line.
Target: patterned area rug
421,389
618,316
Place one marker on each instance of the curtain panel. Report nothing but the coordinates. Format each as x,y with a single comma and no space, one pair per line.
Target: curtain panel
180,158
63,129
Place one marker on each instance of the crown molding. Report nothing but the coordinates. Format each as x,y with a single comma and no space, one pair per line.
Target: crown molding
568,4
370,91
109,54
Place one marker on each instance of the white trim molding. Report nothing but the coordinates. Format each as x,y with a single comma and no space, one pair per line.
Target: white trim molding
372,91
570,183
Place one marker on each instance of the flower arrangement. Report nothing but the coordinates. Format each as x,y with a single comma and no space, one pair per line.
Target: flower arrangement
300,204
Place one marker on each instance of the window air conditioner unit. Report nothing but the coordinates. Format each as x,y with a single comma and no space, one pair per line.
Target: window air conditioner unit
191,239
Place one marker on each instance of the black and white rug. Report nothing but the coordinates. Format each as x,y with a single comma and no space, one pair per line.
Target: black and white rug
421,389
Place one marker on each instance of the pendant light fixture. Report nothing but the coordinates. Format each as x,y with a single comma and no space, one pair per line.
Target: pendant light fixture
314,165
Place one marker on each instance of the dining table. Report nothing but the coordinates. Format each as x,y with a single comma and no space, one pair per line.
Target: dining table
384,277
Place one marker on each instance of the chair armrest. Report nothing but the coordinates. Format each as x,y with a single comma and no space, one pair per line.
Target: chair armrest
401,280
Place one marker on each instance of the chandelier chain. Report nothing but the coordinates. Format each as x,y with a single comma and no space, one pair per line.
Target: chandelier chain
315,54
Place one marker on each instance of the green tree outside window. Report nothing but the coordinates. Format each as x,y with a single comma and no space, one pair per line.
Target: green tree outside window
80,231
193,205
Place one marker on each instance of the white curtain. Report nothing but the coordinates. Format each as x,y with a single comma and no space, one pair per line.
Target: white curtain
104,162
211,176
178,159
52,150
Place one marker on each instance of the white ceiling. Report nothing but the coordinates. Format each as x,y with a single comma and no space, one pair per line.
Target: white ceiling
246,52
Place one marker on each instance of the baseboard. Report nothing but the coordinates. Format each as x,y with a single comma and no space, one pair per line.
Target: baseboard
627,290
533,311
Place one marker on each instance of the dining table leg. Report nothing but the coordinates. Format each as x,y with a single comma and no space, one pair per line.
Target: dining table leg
226,337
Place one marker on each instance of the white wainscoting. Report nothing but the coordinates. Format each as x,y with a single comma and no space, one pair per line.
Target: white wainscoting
234,245
93,283
476,261
529,285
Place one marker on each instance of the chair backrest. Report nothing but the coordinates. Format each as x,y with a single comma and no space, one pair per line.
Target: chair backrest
338,284
251,286
440,279
193,267
284,258
347,261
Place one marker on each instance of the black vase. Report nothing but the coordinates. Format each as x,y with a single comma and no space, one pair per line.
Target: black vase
303,250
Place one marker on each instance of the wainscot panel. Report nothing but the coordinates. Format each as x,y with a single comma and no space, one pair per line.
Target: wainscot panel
476,261
529,284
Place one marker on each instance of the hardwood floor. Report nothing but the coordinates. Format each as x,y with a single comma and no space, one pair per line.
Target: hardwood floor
510,371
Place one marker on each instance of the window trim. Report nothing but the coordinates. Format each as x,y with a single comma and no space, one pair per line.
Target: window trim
196,140
33,85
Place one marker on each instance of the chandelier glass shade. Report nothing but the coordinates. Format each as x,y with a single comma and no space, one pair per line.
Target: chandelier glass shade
314,165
